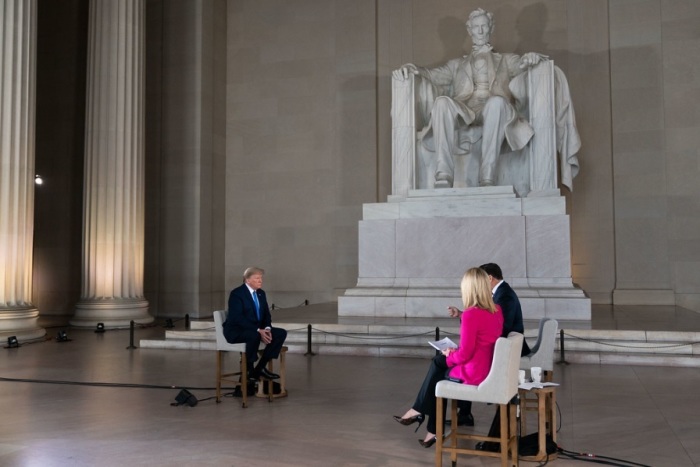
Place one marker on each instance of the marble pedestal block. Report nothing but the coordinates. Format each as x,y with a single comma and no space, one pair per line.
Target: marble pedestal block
414,250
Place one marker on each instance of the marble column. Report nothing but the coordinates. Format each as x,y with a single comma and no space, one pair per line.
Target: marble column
113,212
18,316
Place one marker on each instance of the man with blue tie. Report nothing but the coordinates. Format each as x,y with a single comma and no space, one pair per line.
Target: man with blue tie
249,321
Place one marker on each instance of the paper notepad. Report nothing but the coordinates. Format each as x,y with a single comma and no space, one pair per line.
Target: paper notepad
443,344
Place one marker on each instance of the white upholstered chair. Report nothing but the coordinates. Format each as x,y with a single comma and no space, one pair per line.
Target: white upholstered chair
542,354
499,387
223,346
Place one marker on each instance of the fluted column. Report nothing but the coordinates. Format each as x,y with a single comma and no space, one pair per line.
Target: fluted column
113,213
18,316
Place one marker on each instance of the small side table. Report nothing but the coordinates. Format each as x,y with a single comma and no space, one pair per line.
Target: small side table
545,406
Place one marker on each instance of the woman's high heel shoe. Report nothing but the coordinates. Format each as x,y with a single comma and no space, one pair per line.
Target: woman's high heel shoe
411,420
427,444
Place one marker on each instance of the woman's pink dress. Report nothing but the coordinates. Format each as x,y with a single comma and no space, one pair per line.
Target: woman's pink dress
480,329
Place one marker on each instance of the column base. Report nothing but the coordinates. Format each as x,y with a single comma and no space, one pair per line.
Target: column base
20,322
113,312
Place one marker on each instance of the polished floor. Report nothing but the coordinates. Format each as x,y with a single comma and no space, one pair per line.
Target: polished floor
338,412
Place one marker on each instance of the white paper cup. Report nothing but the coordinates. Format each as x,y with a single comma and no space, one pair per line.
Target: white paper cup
536,374
521,376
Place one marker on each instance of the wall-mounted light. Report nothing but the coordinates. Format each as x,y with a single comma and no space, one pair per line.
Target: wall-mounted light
38,180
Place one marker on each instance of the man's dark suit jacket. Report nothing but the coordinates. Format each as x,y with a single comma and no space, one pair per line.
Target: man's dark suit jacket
242,317
506,297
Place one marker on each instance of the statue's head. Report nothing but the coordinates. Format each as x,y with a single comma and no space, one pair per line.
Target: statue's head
480,26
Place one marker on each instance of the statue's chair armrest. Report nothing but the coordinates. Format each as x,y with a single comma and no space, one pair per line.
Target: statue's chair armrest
534,92
403,135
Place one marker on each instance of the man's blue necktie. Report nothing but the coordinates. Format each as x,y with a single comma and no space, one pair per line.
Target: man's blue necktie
257,304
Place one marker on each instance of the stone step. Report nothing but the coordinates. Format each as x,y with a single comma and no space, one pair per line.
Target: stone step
621,358
377,340
383,340
617,347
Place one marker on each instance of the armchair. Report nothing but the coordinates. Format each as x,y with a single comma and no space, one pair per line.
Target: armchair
542,353
499,387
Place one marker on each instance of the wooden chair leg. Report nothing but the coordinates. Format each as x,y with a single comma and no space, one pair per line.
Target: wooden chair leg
513,435
244,379
270,383
553,415
453,432
523,409
439,432
283,371
504,434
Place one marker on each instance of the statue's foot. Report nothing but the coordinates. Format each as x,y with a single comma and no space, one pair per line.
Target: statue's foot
443,180
486,183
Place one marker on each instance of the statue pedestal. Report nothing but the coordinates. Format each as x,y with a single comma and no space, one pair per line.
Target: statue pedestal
413,252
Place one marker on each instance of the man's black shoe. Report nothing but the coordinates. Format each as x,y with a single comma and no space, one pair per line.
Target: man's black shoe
487,446
267,374
465,420
253,376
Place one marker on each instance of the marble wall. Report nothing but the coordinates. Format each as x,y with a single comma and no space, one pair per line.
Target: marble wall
300,142
185,156
655,81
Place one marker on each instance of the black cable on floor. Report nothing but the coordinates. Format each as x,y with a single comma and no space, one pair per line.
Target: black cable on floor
584,457
121,385
99,384
598,459
558,417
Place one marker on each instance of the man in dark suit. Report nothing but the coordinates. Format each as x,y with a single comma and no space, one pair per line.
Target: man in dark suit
249,321
507,299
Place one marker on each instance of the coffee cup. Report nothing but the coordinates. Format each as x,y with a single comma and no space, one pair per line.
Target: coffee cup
536,374
521,376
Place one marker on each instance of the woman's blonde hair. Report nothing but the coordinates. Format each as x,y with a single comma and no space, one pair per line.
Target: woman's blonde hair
476,290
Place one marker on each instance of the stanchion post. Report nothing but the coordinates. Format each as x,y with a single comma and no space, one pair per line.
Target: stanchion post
562,354
131,335
308,342
187,321
437,338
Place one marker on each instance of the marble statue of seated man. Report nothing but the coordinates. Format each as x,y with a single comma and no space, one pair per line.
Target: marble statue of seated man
474,91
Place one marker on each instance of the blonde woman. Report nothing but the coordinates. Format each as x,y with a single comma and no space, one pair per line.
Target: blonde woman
470,363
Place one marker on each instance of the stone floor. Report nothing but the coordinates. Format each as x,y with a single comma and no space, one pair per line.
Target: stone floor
338,412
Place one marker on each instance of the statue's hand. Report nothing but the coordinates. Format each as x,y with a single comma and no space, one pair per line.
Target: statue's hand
402,73
531,59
